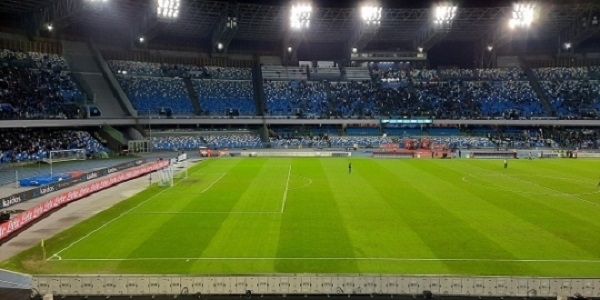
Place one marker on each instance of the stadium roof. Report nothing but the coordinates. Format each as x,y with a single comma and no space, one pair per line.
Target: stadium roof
332,21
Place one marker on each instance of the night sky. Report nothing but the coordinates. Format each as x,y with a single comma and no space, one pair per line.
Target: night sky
459,54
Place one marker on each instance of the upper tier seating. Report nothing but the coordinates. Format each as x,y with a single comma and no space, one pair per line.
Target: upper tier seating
35,85
149,94
135,68
284,98
572,92
218,97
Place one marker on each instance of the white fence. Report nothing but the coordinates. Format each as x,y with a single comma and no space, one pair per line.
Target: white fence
295,154
315,284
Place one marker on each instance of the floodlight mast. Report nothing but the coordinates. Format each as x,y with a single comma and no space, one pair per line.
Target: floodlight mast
371,15
299,22
442,16
369,20
168,9
300,16
523,15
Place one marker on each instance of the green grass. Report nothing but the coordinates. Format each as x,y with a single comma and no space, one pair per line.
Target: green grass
236,216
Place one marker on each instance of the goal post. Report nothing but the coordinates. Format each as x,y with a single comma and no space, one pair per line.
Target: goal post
165,177
180,173
171,174
55,156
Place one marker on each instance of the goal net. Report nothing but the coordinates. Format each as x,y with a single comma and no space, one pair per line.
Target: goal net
65,155
167,176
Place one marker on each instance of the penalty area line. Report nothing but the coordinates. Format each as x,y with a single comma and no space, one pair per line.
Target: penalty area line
541,186
109,222
213,183
490,260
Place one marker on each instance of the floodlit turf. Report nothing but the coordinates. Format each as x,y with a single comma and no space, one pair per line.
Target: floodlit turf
284,215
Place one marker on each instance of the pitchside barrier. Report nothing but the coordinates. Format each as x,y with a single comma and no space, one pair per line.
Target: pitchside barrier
33,214
383,154
315,284
493,154
292,154
588,154
53,187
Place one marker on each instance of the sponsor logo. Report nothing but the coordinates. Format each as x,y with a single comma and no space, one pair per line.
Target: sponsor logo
46,190
92,175
139,162
112,170
12,200
2,231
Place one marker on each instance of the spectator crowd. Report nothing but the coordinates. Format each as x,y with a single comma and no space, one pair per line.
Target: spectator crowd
37,85
19,145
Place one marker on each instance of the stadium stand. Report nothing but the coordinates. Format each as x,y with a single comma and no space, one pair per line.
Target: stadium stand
572,92
154,87
213,141
223,97
353,98
152,93
331,142
287,98
135,68
34,144
284,73
37,85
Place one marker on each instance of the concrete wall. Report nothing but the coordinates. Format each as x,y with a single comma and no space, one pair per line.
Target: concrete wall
316,284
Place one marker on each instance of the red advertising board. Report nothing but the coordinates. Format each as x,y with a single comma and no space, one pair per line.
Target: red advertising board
39,210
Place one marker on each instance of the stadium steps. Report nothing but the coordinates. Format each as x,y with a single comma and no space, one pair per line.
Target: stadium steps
329,95
115,139
193,95
258,91
134,133
535,84
87,67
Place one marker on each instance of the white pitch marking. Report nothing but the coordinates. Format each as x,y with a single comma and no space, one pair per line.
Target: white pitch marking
339,258
213,183
205,212
285,192
464,179
114,219
550,189
303,186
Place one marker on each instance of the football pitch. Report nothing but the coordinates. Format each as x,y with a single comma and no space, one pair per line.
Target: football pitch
310,215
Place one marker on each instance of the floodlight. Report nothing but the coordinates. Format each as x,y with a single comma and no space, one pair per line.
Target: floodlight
523,15
444,14
49,27
220,46
289,49
354,50
568,45
168,9
141,39
420,49
300,16
371,14
490,48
